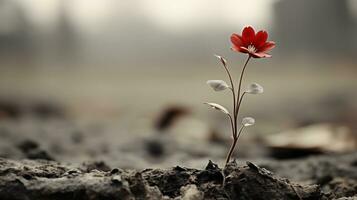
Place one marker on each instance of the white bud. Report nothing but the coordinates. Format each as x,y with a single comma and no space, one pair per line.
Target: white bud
217,85
255,88
248,121
218,107
223,60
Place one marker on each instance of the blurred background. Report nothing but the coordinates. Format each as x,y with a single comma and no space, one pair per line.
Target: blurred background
123,81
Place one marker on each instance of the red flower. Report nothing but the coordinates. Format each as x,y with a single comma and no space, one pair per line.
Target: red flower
256,45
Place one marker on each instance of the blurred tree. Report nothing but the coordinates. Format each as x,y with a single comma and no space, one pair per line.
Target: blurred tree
318,28
16,48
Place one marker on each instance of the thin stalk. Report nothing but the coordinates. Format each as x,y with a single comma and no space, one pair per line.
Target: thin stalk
233,122
240,131
234,143
236,105
231,150
240,100
240,86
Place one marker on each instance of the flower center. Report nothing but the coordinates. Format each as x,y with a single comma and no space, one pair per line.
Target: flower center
252,49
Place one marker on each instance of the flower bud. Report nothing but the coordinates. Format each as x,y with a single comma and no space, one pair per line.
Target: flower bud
223,60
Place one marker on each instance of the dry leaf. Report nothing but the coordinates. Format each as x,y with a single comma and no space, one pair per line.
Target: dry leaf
217,85
218,107
248,121
255,88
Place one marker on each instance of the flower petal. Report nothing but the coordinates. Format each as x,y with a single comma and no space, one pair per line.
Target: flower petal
260,55
248,35
236,40
243,50
260,39
267,46
234,48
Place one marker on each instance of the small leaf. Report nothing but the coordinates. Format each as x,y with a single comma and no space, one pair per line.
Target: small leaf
218,107
255,88
248,121
217,85
223,60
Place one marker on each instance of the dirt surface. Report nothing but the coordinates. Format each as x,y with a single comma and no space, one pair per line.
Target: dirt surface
58,158
50,180
325,178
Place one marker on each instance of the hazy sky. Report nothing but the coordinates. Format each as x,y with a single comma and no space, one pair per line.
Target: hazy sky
168,15
123,29
179,16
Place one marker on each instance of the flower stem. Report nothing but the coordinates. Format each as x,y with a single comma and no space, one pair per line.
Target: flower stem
240,86
234,143
240,100
233,122
240,131
237,100
231,150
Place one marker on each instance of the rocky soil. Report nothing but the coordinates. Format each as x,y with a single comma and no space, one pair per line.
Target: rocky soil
326,177
55,158
50,180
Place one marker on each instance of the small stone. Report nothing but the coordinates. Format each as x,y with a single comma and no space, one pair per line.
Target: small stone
190,192
252,166
117,180
211,165
256,168
98,165
155,148
72,172
214,176
178,168
39,154
95,171
115,171
27,145
27,176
